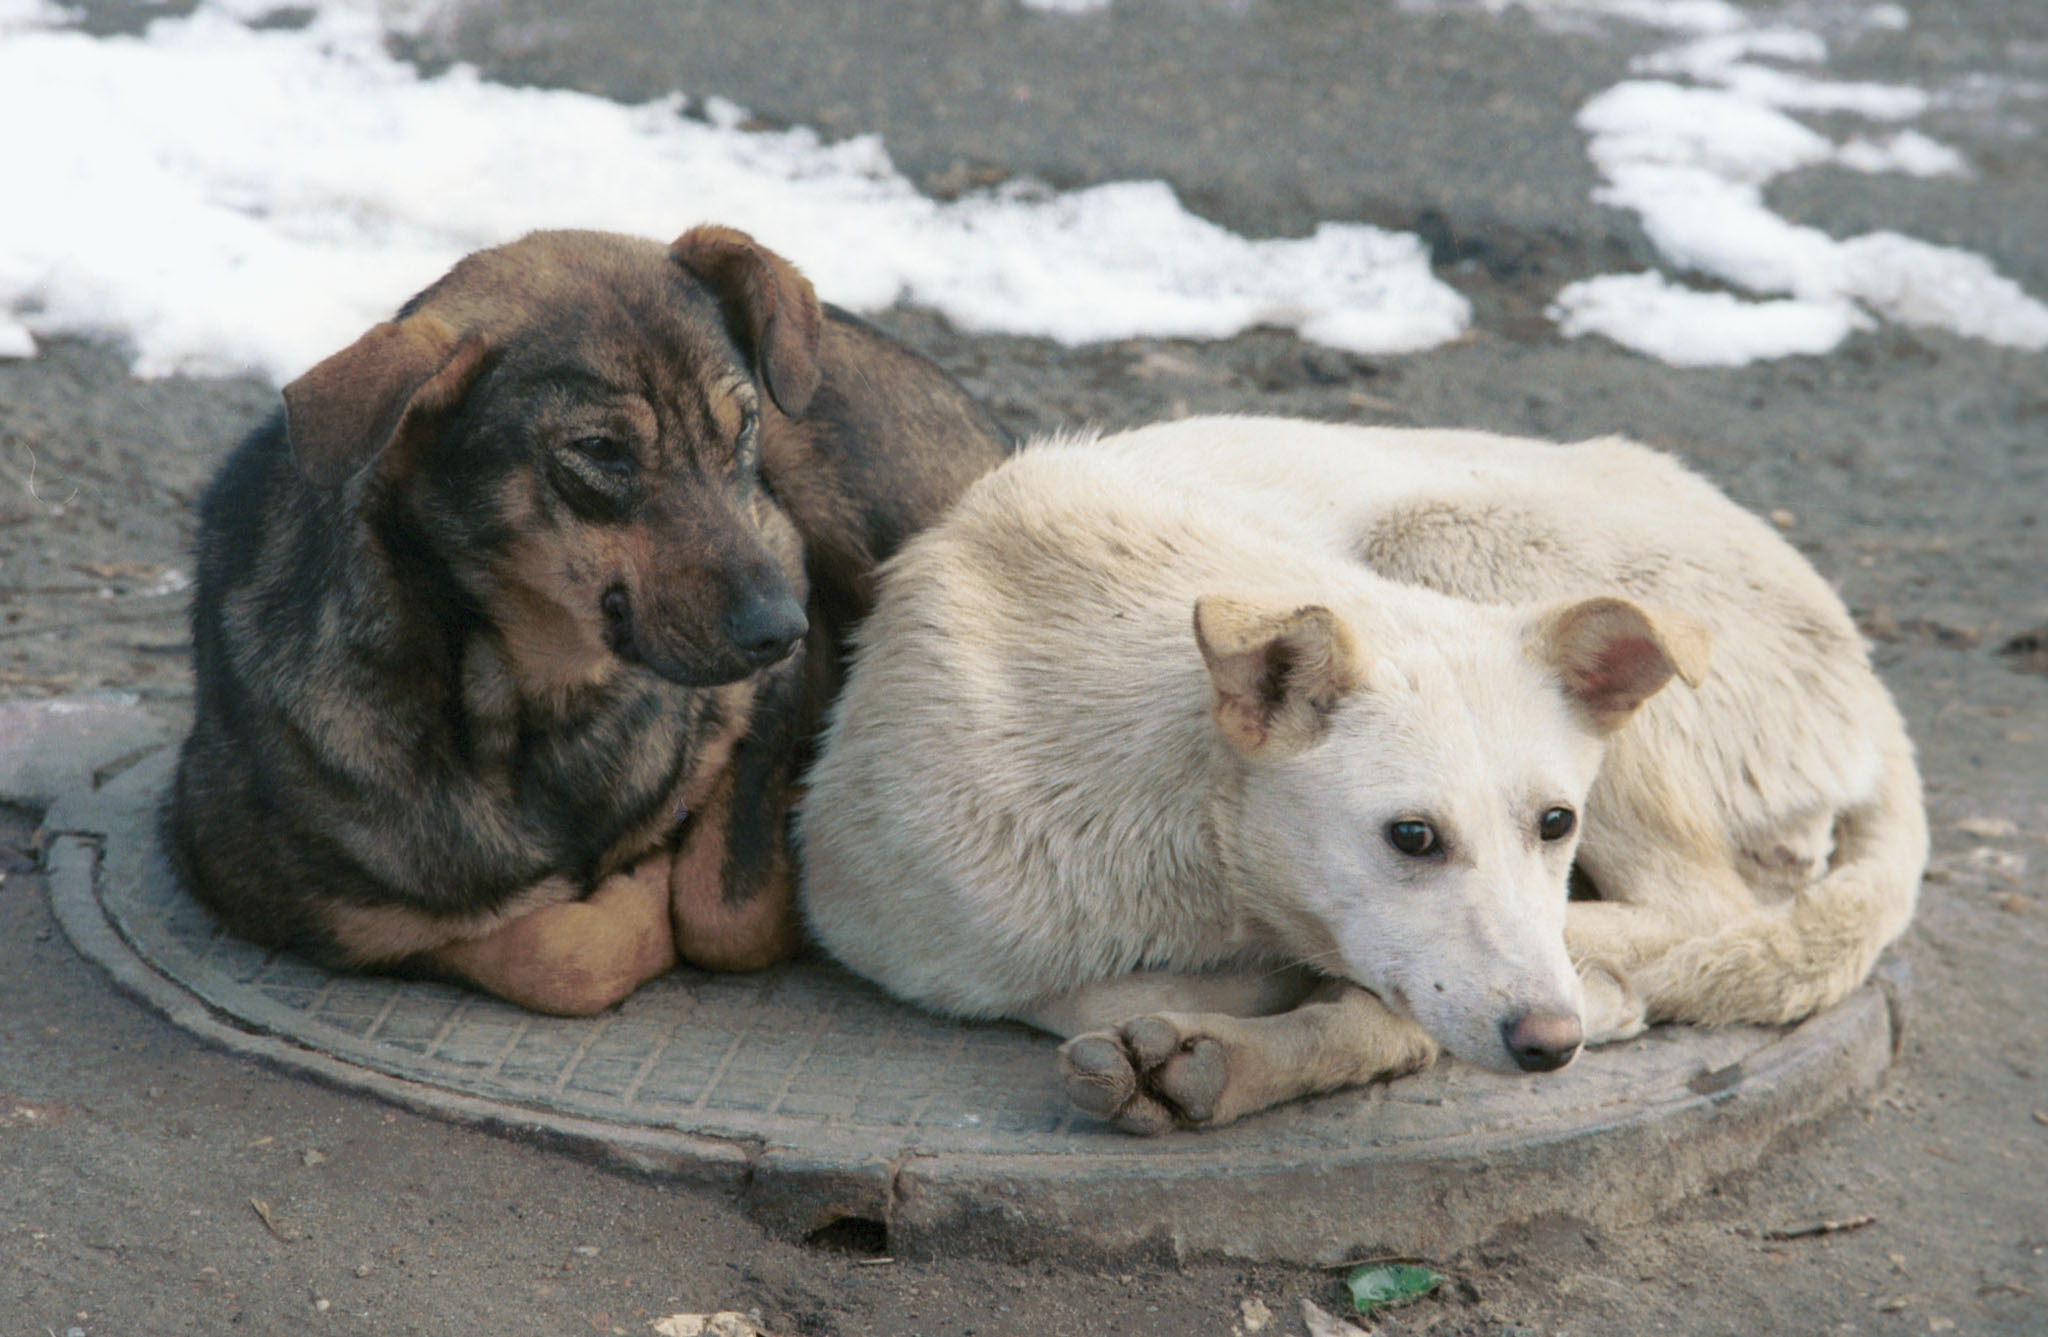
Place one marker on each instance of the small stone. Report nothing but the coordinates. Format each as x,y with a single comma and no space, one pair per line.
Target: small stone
1156,364
1322,1323
1999,863
725,1323
1257,1318
312,1156
1783,518
1989,828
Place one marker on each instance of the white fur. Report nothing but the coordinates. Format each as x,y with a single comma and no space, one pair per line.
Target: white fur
1030,788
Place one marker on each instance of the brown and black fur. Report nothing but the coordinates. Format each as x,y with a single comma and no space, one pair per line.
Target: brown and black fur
512,628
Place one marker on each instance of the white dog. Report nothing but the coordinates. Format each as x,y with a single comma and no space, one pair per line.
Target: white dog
1255,755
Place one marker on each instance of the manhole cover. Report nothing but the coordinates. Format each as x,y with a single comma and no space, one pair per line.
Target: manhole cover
818,1099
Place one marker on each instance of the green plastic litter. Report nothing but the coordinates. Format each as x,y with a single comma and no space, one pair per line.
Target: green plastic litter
1378,1286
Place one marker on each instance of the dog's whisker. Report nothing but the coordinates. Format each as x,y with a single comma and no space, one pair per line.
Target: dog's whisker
28,485
1329,956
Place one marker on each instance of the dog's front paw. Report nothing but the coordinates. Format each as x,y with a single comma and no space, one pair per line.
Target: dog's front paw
1614,1011
1145,1077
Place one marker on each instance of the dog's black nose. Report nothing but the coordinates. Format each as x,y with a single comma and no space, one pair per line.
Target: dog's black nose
764,629
1542,1041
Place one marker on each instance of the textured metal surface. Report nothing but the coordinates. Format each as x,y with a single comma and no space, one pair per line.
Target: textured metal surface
767,1056
821,1098
806,1049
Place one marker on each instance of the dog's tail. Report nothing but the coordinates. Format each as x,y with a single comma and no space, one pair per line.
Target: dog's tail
1787,961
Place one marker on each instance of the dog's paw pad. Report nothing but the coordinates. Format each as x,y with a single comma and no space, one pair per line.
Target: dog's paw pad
1097,1075
1193,1078
1146,1117
1146,1077
1151,1040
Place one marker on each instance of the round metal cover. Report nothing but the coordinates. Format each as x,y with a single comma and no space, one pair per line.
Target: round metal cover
818,1098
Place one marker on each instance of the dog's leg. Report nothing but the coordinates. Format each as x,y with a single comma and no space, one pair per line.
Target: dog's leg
1782,962
732,891
1663,876
1649,906
1610,943
732,895
1698,953
576,958
1613,1010
1213,1057
1664,879
1621,936
1788,960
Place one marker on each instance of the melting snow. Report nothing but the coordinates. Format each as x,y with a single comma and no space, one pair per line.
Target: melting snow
226,198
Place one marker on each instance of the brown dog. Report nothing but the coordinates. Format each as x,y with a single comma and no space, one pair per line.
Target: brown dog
512,629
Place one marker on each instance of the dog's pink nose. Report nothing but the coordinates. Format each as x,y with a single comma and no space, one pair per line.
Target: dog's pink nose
1542,1041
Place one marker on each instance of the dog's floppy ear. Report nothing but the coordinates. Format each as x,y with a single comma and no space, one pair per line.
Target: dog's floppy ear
769,307
1614,655
1279,669
400,375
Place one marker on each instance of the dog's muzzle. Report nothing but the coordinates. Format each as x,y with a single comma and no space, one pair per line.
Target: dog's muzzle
765,628
756,631
1542,1041
617,607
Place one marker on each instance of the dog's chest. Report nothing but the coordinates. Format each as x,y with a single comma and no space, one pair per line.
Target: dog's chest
597,781
672,766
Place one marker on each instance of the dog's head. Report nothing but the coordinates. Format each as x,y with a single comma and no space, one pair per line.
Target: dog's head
568,429
1415,770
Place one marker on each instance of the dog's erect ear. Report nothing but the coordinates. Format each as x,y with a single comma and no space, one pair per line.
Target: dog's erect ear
1614,655
1279,669
769,307
400,375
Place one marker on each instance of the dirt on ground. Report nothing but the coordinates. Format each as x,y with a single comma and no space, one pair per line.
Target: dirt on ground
149,1185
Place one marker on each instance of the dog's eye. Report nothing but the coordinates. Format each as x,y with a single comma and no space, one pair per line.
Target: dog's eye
1556,823
746,450
1414,839
611,455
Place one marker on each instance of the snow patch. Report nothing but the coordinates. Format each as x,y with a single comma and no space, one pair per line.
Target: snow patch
15,340
1695,16
1649,314
224,198
1908,152
21,15
1692,159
